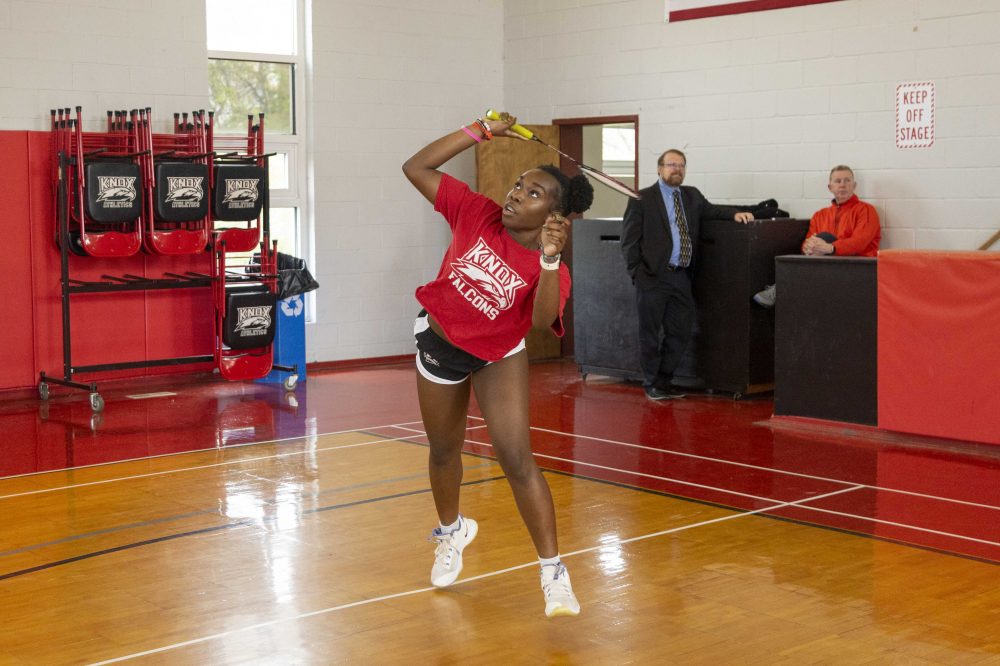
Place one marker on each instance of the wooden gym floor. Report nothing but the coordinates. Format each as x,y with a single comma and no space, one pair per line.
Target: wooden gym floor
202,522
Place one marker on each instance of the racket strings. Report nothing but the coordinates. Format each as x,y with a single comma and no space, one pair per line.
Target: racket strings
596,174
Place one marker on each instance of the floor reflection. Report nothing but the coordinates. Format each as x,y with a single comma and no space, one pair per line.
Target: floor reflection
707,447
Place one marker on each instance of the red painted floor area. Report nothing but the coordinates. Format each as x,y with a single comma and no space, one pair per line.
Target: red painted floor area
932,493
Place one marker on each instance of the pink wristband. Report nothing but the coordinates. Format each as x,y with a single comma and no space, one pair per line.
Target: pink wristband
472,134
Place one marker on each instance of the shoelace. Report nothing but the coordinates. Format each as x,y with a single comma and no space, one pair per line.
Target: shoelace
558,584
446,546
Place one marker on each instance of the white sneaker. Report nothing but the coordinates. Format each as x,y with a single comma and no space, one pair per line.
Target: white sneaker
448,554
558,591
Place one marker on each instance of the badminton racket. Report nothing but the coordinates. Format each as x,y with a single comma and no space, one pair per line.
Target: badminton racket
596,174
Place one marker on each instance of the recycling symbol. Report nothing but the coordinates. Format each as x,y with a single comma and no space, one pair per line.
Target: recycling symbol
292,306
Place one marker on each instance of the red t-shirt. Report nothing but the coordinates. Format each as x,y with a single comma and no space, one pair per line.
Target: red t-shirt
484,292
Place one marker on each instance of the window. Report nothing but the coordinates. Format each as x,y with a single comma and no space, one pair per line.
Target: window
256,65
285,227
612,146
247,87
252,26
618,154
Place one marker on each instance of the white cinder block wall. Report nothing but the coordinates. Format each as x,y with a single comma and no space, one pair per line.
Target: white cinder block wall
389,76
106,54
765,103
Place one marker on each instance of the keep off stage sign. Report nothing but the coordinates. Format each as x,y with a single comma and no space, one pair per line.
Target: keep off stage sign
915,115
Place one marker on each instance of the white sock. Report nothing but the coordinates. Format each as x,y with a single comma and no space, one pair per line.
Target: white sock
448,529
545,561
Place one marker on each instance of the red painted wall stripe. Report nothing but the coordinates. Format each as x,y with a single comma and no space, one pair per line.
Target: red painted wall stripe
738,8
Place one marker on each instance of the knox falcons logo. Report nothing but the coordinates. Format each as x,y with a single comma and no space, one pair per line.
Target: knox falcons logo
485,280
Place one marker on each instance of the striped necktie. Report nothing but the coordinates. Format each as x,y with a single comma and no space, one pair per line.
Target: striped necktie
682,228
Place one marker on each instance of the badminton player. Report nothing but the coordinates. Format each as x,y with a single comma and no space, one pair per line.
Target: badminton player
500,277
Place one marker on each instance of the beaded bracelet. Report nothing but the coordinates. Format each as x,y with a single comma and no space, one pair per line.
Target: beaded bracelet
487,133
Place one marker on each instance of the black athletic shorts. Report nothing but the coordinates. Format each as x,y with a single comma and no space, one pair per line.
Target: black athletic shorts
442,362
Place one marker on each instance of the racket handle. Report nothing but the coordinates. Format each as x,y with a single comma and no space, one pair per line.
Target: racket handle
523,131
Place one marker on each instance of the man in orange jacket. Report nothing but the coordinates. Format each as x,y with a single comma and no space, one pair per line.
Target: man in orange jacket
848,227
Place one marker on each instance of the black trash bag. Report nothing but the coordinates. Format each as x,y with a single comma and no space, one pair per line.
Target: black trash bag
294,277
295,281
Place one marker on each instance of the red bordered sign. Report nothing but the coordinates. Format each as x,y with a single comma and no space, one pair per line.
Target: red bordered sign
685,10
915,115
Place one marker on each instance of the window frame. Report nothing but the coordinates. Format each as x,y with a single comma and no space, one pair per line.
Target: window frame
295,145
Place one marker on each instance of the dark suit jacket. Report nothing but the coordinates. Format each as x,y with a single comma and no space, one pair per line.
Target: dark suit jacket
646,241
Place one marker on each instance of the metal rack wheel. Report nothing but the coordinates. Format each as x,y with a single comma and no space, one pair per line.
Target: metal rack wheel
96,402
43,390
290,382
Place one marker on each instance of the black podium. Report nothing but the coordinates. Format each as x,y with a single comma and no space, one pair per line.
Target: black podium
826,338
733,347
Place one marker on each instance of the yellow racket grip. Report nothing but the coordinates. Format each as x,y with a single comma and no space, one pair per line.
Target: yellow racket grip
523,131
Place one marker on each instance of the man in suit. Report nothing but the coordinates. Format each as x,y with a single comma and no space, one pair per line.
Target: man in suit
660,241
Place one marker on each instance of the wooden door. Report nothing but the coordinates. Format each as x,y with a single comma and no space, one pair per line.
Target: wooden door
499,163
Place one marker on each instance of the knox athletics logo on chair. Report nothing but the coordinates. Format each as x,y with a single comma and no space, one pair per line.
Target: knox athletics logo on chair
116,191
241,192
485,280
252,321
185,191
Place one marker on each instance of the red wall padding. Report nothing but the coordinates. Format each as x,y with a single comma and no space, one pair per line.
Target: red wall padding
106,327
16,342
939,344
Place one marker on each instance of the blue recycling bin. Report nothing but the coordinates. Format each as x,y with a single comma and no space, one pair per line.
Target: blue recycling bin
293,281
289,339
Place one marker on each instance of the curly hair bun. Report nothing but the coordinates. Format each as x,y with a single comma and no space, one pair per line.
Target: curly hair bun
581,193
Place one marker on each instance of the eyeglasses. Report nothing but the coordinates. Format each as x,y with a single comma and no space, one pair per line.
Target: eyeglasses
674,165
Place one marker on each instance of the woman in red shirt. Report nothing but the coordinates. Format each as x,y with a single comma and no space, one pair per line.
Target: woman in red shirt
500,276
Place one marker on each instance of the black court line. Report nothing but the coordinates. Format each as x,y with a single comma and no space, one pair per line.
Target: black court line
219,528
407,440
183,516
214,512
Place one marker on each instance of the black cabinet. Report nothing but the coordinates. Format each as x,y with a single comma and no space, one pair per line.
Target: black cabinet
826,338
605,328
733,348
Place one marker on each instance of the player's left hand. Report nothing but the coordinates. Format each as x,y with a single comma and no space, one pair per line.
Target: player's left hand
555,231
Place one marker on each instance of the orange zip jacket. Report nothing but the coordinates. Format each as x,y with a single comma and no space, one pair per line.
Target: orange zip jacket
854,223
